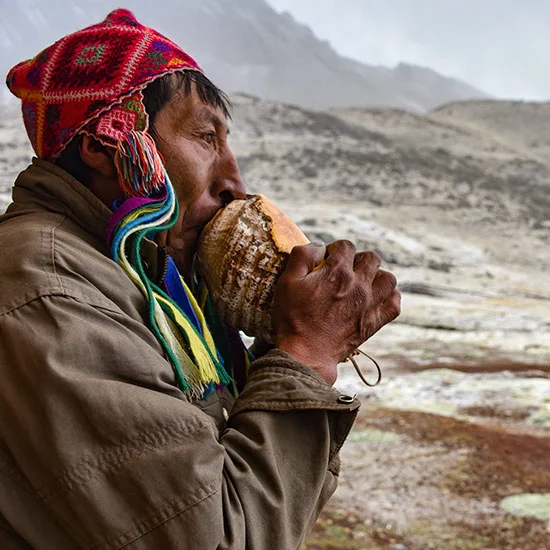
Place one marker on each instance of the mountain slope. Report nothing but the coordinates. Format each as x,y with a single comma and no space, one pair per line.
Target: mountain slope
391,157
524,124
245,46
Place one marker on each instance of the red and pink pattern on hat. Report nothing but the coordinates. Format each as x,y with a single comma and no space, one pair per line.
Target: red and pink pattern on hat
91,81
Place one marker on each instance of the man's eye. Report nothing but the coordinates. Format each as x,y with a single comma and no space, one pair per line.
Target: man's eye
209,137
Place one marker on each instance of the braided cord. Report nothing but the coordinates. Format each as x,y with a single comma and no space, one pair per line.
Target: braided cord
151,207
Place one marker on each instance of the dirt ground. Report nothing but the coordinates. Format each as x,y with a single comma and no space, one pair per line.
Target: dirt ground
414,480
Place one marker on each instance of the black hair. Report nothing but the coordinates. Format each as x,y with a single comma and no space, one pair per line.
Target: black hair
159,92
156,95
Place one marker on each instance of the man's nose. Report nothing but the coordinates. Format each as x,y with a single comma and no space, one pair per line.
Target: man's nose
229,184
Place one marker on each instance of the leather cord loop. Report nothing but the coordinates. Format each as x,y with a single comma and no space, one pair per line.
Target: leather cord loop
358,370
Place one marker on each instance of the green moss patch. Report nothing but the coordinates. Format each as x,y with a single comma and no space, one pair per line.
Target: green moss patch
528,505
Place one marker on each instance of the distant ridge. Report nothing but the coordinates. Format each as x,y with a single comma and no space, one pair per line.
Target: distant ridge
245,46
522,123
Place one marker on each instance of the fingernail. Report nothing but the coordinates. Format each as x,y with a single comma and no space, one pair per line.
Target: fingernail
318,243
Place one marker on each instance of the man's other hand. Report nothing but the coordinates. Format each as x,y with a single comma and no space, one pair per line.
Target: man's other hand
328,301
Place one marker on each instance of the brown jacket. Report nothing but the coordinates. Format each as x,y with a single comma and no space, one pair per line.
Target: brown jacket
98,448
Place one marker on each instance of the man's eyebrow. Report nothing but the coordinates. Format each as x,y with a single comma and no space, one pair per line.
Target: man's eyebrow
212,117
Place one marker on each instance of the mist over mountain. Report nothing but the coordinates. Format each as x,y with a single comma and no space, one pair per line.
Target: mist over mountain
244,46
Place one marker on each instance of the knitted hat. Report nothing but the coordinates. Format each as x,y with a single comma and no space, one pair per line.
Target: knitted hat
91,81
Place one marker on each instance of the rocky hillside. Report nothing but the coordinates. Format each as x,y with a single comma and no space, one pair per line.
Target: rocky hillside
522,124
465,165
245,46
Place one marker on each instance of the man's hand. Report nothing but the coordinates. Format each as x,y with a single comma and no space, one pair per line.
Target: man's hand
328,301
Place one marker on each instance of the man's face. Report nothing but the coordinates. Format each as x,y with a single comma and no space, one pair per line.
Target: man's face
192,137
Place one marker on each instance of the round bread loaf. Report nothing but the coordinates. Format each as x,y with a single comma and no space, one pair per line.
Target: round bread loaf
241,254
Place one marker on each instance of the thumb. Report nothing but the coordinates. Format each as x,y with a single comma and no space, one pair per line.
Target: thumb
304,259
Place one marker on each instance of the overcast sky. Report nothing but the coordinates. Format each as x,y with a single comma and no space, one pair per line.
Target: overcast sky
500,46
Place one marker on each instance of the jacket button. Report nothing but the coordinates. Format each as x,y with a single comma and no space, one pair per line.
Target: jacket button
346,399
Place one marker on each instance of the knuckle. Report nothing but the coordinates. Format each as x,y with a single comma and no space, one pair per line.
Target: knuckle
342,280
370,259
390,279
374,257
351,247
385,282
345,244
394,306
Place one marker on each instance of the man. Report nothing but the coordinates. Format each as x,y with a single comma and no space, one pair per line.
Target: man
103,443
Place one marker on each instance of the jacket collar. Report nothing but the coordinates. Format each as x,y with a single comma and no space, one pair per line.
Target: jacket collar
45,186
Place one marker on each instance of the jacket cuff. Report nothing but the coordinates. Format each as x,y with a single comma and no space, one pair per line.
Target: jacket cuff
277,382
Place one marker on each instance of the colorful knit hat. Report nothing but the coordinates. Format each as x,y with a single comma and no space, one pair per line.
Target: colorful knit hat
91,81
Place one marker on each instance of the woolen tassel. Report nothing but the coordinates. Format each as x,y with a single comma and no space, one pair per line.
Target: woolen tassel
140,167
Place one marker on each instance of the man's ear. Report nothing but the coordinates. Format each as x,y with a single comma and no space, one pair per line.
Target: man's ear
97,156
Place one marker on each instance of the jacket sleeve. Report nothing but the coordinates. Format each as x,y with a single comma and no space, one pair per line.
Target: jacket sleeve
118,457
